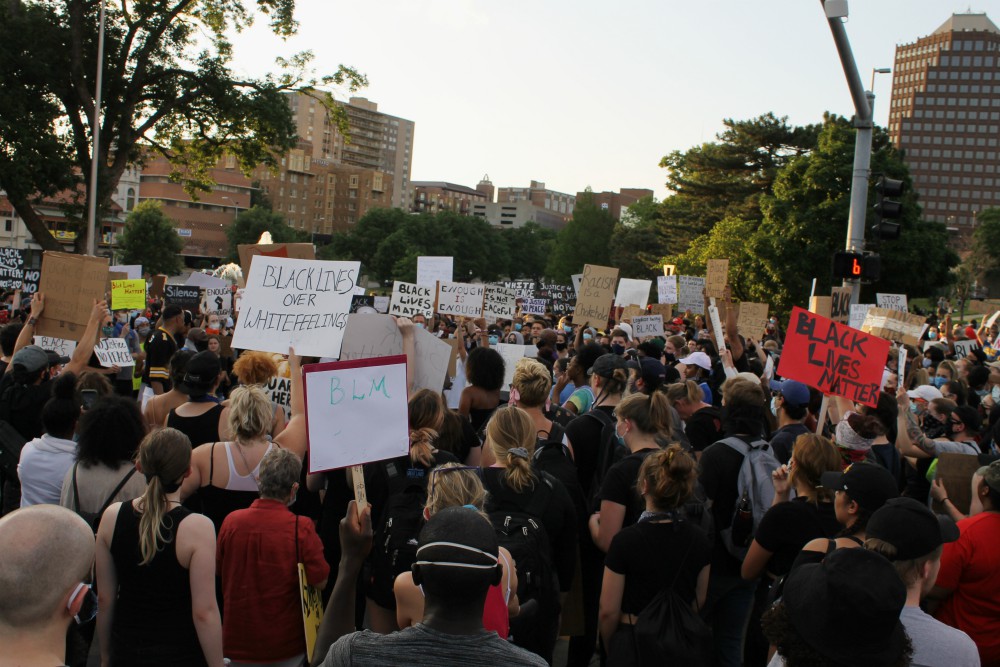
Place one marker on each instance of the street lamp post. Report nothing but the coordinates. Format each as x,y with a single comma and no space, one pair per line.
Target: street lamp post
95,134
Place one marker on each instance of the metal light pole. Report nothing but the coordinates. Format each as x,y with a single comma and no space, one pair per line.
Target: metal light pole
95,133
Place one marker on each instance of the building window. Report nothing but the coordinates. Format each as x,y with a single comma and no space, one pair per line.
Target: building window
129,200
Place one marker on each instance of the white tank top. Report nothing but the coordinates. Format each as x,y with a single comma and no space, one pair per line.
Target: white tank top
238,482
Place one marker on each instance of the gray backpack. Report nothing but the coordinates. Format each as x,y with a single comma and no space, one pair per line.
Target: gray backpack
755,493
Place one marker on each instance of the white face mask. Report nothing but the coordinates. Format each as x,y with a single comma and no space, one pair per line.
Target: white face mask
774,406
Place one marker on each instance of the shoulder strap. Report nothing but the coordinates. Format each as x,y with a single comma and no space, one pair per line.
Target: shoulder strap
599,415
111,496
76,491
211,462
298,559
540,498
736,443
831,546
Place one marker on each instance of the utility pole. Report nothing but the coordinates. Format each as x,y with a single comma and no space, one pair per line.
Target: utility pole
95,136
864,102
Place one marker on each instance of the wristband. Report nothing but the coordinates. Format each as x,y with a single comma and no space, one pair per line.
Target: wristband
32,321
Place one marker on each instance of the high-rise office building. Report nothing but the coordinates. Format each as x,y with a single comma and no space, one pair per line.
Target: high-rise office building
945,117
378,141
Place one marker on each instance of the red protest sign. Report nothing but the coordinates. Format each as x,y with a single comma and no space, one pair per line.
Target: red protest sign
833,358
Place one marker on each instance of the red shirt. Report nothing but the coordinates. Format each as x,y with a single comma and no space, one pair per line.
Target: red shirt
262,611
971,568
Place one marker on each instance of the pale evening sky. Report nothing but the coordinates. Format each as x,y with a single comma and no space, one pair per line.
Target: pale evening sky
593,93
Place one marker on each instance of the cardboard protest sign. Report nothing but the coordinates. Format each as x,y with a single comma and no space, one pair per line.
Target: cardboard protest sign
11,268
690,294
432,270
716,278
62,347
840,304
71,284
666,289
199,279
647,325
892,302
833,358
131,271
664,310
410,299
113,352
595,296
356,411
187,297
752,319
670,269
296,302
499,303
290,250
533,307
464,299
511,354
631,312
368,336
157,285
128,294
217,301
955,471
858,313
633,292
964,348
894,325
30,280
821,305
312,607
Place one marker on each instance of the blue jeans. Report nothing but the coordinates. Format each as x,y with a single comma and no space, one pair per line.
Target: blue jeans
730,600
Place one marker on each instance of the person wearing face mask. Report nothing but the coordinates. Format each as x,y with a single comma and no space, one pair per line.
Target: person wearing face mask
953,432
946,370
562,348
262,617
546,344
790,405
619,341
420,321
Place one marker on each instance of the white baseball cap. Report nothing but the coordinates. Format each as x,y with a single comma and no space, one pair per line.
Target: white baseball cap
699,359
925,392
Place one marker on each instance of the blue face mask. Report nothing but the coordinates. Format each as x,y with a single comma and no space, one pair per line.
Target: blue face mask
587,336
927,363
932,335
567,328
419,325
914,408
494,340
517,327
939,381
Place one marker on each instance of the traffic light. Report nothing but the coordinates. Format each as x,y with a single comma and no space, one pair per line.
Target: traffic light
849,265
887,209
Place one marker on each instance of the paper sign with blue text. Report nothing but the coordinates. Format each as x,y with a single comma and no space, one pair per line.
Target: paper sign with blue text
356,411
296,302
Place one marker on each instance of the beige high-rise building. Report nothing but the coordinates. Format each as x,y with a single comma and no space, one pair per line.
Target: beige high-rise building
557,203
945,117
378,141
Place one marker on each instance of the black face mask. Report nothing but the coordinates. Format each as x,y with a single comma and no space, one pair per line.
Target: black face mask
560,346
670,357
934,427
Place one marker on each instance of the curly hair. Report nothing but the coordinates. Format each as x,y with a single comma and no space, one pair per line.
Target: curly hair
255,368
532,381
110,432
484,368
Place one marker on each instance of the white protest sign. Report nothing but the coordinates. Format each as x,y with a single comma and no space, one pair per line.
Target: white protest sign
113,352
62,347
279,390
577,279
372,335
199,279
296,302
382,304
464,299
511,354
633,292
713,314
533,306
431,270
666,289
892,302
690,294
647,325
992,320
133,271
238,299
901,363
964,348
858,313
217,301
409,299
356,411
499,303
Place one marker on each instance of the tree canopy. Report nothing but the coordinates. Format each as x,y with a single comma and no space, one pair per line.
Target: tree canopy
586,239
253,222
167,87
149,239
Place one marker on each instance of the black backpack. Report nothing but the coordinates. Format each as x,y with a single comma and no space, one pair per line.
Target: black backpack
394,548
553,457
609,451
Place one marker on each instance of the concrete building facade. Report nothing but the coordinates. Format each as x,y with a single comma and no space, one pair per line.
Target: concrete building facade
434,196
945,117
510,215
557,203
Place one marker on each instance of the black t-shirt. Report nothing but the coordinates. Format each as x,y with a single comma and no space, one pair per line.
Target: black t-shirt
783,439
720,470
650,554
159,349
620,486
558,518
789,526
584,433
703,428
21,405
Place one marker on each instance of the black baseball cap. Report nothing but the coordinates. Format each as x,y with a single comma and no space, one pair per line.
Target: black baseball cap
607,364
868,484
200,373
171,311
909,526
847,607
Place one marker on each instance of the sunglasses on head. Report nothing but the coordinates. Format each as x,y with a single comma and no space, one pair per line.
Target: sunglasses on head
437,471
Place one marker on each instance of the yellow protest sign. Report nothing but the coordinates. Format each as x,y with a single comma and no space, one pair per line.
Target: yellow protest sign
128,294
312,610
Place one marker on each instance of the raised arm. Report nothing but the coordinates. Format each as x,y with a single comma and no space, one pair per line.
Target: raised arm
910,440
409,349
295,437
732,329
81,355
28,330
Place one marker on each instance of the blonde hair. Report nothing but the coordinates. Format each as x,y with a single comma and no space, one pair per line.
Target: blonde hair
164,457
532,381
251,413
685,391
651,414
453,488
255,368
669,475
512,429
425,412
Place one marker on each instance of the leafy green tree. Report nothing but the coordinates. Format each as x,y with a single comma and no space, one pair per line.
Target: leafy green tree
637,244
168,87
253,222
529,248
986,238
586,239
149,239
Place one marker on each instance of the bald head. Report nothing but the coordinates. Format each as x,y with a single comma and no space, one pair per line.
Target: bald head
46,550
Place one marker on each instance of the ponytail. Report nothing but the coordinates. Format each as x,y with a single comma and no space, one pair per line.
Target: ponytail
615,384
669,476
687,391
164,457
651,414
511,436
421,446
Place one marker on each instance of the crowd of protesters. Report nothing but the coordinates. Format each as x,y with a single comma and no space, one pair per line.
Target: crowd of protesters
620,502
